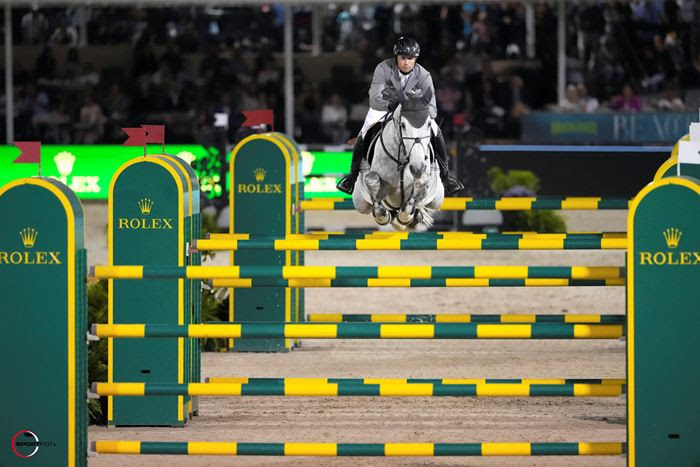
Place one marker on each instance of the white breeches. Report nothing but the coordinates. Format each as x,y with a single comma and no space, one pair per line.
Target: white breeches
373,116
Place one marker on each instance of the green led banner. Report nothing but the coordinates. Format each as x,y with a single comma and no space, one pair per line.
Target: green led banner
88,169
322,171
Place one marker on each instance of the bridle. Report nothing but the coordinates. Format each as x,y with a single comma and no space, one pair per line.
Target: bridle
400,166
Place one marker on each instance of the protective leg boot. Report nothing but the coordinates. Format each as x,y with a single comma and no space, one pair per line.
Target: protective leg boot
451,184
347,183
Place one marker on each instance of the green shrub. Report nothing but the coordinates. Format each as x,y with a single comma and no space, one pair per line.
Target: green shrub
97,351
536,221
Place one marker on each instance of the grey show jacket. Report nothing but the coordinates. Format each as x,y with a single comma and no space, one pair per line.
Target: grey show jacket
387,75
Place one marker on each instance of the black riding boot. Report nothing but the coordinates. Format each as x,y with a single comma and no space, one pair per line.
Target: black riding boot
451,184
347,183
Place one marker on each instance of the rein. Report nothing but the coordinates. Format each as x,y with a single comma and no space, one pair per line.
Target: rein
400,166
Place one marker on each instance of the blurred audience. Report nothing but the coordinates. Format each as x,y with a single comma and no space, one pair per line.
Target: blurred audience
183,60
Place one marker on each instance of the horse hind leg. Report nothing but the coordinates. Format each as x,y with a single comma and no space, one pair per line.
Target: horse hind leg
377,193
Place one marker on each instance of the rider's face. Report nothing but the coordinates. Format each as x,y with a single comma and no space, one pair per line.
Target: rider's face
406,63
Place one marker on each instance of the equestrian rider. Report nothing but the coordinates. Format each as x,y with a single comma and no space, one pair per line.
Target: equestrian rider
393,79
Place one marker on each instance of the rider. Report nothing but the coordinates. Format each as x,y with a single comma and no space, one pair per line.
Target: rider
392,79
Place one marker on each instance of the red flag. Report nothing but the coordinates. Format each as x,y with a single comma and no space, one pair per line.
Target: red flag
136,137
258,117
154,133
30,152
459,119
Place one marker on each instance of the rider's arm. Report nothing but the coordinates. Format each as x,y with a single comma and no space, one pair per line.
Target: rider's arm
379,81
433,101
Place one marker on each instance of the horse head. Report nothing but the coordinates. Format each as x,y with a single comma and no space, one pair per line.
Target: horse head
412,118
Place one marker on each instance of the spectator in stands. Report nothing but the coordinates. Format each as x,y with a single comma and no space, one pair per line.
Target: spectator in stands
72,69
518,105
346,29
607,67
589,104
481,34
591,26
89,75
92,120
334,117
117,104
669,100
571,101
627,101
34,26
65,34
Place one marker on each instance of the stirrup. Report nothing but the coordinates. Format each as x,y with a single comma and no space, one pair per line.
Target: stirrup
452,185
346,184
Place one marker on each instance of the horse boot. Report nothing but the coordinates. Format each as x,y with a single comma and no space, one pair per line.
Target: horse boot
347,183
451,184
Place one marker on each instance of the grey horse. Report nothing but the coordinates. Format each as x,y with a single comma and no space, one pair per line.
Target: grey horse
402,185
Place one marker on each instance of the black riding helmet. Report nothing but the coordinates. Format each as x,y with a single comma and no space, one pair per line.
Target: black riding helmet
406,46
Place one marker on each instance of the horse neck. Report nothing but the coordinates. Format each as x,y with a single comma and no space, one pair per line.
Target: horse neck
391,135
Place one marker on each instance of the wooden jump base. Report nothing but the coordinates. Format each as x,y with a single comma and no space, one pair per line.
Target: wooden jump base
501,204
192,448
359,272
364,331
461,318
481,381
415,241
318,389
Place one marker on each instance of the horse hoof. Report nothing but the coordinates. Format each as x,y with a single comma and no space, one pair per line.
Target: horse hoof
404,218
382,220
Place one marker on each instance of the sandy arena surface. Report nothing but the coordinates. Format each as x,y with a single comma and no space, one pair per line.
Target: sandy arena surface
374,419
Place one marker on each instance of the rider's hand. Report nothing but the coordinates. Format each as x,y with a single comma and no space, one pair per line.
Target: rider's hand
389,94
417,93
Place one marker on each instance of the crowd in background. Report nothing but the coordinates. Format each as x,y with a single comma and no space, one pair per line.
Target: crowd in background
621,56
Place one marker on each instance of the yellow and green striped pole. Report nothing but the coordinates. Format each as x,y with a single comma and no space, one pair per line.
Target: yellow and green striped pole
311,388
204,448
501,204
559,381
364,331
360,272
415,241
413,283
461,318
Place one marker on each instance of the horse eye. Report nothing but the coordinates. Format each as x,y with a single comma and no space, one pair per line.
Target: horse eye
403,126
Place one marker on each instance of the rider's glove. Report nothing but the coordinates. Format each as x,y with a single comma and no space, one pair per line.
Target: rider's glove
389,94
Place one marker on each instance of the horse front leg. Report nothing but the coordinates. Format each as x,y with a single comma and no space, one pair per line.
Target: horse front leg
377,193
408,209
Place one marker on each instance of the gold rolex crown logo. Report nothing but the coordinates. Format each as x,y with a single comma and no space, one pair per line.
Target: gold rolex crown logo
260,174
28,236
672,237
145,205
